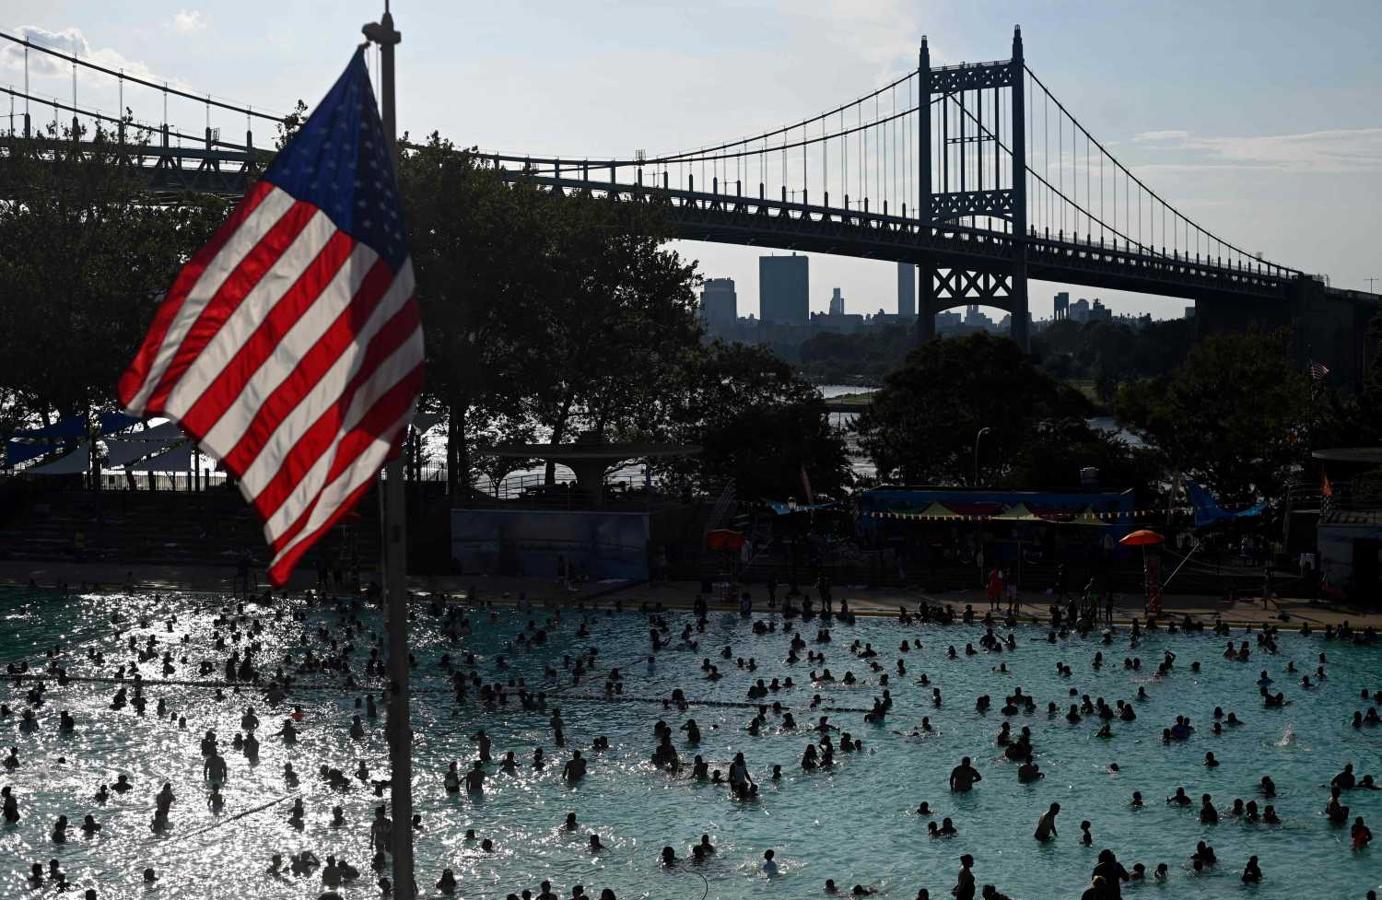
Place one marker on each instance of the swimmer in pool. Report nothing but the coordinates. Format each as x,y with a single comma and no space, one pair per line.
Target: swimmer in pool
964,776
1046,825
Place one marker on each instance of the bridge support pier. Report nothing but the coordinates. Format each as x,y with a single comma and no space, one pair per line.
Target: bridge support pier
1017,309
926,302
1018,324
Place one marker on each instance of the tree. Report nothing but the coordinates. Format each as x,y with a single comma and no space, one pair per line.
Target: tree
1110,353
1053,456
87,255
759,426
1234,416
544,313
470,236
921,427
864,357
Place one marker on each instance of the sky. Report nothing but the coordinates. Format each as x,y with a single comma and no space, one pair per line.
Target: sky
1259,119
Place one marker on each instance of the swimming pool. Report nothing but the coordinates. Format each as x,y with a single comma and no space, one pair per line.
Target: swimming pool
855,824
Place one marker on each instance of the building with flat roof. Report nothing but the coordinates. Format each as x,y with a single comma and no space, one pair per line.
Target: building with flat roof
784,285
906,289
719,307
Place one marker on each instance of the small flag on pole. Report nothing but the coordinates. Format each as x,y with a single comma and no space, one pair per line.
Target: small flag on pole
1318,370
290,346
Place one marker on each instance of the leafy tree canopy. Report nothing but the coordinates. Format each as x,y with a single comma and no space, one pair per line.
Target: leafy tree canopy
759,425
1235,416
921,427
86,257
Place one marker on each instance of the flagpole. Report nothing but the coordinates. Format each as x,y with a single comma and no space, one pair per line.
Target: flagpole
395,556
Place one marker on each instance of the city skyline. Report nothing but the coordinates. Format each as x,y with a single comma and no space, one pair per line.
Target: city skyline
1289,172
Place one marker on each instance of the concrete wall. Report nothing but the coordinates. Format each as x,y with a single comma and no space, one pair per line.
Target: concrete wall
1341,546
531,542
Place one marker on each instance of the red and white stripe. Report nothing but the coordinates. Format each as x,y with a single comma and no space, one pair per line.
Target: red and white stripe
293,354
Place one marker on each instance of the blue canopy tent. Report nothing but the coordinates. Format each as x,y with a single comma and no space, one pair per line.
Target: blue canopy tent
33,443
1209,513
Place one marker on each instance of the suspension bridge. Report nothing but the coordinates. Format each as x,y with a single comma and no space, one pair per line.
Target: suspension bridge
976,173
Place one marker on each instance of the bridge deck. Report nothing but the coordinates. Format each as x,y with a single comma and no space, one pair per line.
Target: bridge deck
787,225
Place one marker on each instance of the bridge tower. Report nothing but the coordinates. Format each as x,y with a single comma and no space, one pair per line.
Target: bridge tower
960,179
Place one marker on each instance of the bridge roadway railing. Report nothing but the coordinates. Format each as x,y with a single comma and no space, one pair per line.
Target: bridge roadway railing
225,169
215,167
736,218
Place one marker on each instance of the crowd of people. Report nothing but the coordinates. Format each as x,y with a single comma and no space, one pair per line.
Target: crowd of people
337,644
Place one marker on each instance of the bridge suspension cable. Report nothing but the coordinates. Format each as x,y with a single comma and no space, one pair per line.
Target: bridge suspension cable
119,83
134,79
866,152
148,129
1063,201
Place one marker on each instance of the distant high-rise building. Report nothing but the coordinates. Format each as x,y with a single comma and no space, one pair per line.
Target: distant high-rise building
1098,312
1062,305
906,289
784,284
837,303
1079,310
719,306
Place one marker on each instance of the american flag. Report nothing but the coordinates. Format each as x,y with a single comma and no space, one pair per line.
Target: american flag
290,346
1318,370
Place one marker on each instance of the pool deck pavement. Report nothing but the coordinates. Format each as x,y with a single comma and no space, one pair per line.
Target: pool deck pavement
682,594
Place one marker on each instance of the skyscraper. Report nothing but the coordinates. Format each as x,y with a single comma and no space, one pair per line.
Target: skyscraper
1062,305
719,306
837,303
783,290
906,289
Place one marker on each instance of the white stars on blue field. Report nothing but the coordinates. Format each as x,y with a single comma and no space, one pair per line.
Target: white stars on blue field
339,162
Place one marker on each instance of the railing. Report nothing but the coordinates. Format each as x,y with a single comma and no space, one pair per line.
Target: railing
996,246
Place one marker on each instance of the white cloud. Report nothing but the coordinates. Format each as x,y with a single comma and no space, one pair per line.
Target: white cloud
70,41
1342,150
186,21
1156,137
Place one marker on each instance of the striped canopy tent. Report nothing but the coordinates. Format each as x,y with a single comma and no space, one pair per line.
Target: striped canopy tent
937,511
932,511
1017,513
1088,517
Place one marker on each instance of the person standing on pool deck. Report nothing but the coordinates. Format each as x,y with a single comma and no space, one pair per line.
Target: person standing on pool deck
963,777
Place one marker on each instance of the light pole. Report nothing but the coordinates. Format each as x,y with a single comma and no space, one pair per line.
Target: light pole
399,727
982,431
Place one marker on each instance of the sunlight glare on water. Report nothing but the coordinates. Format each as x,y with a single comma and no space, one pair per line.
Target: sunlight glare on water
855,824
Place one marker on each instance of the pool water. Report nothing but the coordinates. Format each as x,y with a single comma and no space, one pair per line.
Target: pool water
855,824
